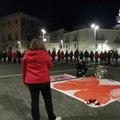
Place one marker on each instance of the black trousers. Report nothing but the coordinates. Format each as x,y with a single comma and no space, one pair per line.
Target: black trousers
45,90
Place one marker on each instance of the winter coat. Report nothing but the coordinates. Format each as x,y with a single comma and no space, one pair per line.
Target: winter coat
35,67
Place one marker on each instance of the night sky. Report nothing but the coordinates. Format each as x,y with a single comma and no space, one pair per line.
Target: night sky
66,13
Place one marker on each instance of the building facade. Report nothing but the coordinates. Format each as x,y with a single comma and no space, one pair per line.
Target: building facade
105,39
18,29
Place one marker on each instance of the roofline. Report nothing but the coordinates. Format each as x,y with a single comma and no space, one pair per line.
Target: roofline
18,13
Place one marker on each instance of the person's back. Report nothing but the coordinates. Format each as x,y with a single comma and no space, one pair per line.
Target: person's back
38,65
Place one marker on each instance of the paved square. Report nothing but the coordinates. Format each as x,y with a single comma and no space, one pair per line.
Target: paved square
15,97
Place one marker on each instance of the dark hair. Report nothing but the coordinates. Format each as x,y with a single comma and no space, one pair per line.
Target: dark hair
37,44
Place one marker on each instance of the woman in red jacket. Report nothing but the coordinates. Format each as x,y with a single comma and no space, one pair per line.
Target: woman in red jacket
35,68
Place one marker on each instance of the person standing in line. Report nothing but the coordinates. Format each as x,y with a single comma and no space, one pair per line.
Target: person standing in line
53,55
81,55
58,56
86,55
66,56
14,56
96,56
71,56
1,53
91,56
62,56
4,56
19,56
76,55
35,69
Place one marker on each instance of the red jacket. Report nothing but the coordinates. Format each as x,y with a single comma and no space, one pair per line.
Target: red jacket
35,67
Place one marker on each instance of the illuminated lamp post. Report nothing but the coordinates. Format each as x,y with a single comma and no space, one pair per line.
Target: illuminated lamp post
43,32
61,43
95,28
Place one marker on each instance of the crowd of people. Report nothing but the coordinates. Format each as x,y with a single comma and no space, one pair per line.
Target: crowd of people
73,56
11,57
65,56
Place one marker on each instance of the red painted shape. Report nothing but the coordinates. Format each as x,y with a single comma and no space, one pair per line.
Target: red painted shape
89,88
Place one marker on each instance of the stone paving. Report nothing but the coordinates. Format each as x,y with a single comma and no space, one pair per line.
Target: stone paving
15,97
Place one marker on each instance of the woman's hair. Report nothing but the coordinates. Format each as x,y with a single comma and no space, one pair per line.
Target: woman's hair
37,44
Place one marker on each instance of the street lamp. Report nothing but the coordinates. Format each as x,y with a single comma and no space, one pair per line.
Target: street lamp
95,28
43,31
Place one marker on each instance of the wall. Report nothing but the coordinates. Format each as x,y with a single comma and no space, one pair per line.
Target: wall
85,39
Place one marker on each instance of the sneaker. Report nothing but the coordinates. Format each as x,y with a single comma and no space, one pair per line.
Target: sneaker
58,118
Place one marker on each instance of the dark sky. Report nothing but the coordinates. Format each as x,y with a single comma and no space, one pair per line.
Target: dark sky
66,13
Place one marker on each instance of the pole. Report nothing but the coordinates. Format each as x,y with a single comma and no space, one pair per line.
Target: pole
95,37
43,31
95,27
43,36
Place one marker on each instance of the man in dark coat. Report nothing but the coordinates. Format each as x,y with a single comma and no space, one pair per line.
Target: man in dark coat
81,68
